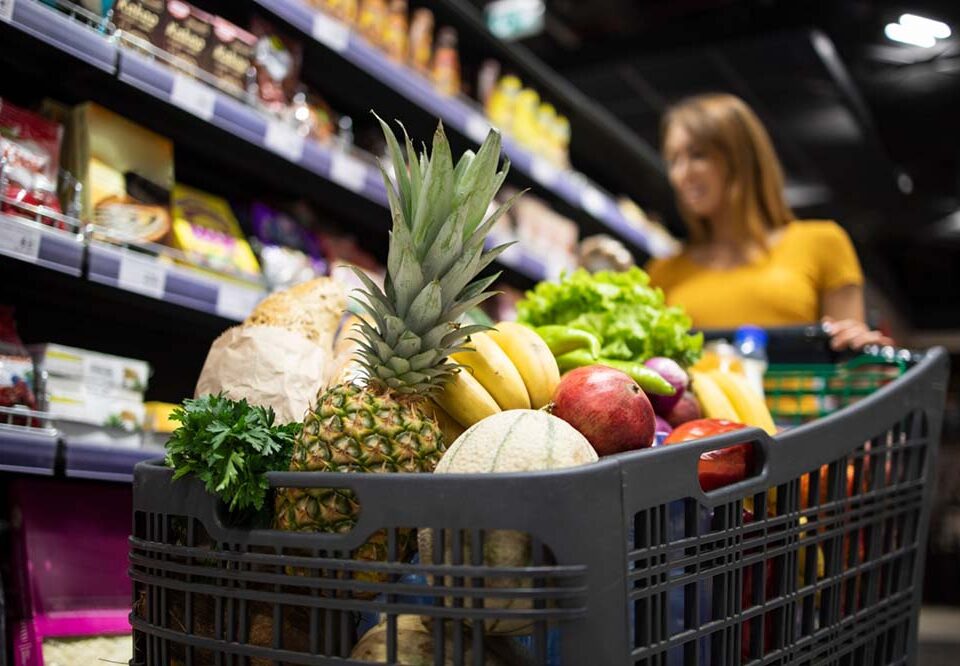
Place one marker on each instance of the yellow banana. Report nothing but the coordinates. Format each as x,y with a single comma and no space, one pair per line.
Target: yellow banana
749,406
532,358
448,425
466,400
495,371
712,399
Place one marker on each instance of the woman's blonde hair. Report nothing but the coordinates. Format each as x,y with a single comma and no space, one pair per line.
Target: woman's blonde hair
724,125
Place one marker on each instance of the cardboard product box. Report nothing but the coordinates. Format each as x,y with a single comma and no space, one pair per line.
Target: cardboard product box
102,146
141,18
186,32
91,368
206,229
229,54
102,406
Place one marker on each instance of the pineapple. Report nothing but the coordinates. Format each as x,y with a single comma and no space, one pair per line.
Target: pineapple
439,225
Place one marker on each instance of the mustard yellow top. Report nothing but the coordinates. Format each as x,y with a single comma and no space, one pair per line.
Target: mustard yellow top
783,288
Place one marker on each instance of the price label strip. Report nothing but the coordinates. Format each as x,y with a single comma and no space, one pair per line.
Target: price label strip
477,128
193,96
330,32
19,240
593,202
543,172
282,139
349,172
6,10
237,302
142,275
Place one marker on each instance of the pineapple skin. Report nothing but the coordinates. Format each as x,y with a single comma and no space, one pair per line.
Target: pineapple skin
354,428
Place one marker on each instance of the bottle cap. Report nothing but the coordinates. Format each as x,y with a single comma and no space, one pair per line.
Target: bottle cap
753,333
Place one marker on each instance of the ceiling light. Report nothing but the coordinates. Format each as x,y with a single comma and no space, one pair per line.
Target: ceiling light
901,33
937,29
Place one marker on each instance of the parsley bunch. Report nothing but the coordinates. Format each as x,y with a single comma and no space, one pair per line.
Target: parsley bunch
230,445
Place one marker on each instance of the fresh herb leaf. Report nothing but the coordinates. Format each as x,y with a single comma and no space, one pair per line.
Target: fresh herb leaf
230,445
621,308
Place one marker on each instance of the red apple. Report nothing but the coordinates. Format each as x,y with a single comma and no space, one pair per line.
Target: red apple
607,406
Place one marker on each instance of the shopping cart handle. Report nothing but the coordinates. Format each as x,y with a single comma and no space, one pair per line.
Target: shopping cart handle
810,343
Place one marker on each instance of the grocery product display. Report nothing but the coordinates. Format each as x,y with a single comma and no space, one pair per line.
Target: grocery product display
313,381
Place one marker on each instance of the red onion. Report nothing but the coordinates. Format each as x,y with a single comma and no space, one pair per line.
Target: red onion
675,376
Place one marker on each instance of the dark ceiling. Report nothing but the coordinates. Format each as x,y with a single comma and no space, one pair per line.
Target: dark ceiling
865,127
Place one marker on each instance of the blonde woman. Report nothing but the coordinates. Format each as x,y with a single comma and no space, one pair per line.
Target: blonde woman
748,260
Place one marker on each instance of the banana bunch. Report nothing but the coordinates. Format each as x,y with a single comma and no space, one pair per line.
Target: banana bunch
509,367
728,395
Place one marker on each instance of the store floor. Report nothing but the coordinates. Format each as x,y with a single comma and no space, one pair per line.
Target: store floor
939,636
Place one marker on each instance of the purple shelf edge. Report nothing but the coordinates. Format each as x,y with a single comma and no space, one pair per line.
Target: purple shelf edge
103,463
453,111
65,33
29,453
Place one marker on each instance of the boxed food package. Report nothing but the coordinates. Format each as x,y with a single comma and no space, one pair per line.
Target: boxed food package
173,26
97,405
157,424
30,150
108,154
186,31
92,368
141,18
205,228
229,54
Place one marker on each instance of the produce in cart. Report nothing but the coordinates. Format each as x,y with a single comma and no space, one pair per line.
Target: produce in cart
608,407
628,316
385,423
721,467
517,440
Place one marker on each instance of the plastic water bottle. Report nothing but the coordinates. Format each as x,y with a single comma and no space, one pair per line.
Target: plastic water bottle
751,345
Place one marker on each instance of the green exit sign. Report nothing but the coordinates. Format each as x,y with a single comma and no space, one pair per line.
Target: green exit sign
515,19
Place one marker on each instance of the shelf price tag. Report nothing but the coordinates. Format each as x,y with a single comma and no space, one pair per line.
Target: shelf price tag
237,302
193,96
347,171
543,172
283,140
142,275
6,10
19,240
593,201
477,128
330,32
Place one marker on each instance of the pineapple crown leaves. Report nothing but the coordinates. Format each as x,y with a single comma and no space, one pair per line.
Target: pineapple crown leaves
438,235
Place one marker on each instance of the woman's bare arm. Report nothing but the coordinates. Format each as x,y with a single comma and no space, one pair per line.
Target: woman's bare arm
843,317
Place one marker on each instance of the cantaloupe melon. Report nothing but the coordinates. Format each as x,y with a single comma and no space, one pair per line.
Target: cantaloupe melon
518,440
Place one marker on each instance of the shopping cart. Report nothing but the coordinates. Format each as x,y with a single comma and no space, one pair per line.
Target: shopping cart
630,561
807,380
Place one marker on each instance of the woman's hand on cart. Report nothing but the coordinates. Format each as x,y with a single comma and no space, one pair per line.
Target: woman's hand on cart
852,334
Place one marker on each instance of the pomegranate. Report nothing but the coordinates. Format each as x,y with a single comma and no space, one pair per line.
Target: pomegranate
607,406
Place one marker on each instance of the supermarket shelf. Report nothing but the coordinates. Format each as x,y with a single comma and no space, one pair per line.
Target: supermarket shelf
157,277
66,32
460,114
28,450
41,245
104,463
354,172
247,123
